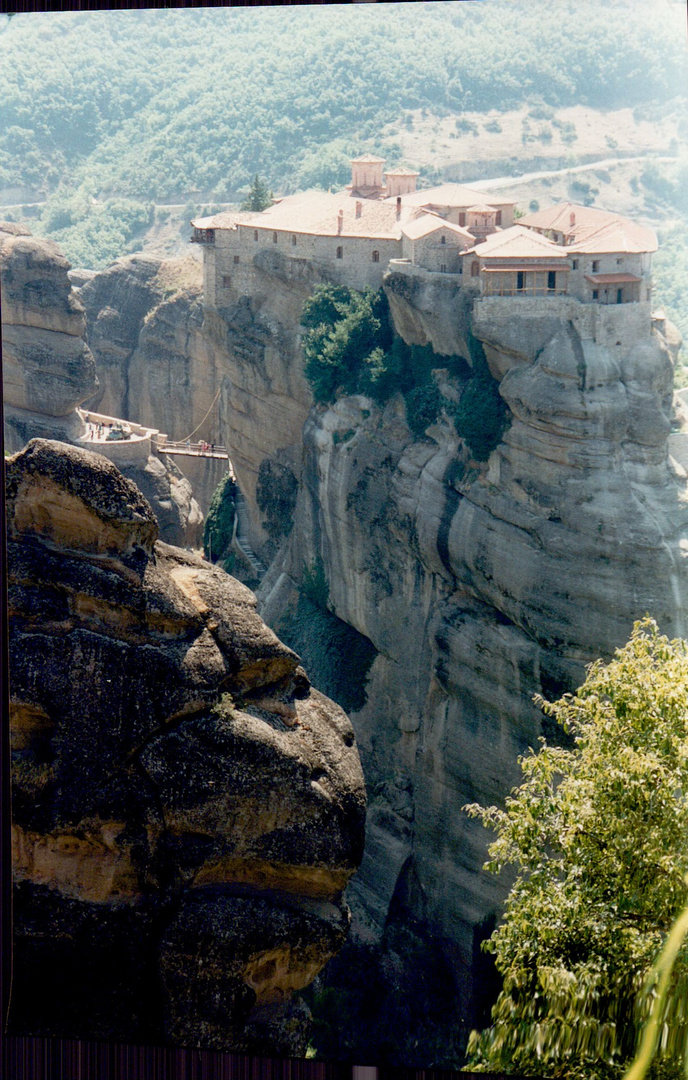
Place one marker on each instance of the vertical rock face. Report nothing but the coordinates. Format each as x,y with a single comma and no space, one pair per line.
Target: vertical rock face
435,595
187,809
166,361
477,587
47,368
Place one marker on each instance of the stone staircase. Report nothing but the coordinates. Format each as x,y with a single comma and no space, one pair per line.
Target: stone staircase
241,535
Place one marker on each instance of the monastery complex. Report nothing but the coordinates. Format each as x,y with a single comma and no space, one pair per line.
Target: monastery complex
577,255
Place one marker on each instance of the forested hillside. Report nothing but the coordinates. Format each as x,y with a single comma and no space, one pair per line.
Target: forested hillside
106,114
165,103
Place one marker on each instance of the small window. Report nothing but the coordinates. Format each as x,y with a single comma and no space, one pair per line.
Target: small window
475,268
462,218
595,294
255,234
574,264
274,238
443,240
236,259
619,262
555,236
376,256
226,281
595,265
340,253
443,268
293,241
520,280
498,217
551,280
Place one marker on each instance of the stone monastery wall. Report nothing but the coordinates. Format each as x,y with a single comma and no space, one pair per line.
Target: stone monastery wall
606,324
228,263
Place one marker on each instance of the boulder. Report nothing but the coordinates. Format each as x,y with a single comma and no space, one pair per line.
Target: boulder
187,809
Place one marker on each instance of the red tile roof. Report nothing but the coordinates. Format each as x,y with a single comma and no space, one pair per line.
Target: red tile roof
317,212
454,195
611,279
425,224
519,243
593,230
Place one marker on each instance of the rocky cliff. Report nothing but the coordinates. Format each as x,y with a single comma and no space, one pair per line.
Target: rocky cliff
49,371
187,808
433,595
236,374
465,588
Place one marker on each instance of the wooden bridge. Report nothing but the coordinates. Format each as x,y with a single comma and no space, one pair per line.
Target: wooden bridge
189,449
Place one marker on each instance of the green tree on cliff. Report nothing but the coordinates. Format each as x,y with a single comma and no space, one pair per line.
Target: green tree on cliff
259,196
219,522
598,838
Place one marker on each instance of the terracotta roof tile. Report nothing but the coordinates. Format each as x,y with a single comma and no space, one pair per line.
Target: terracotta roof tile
226,219
519,243
593,230
316,213
428,223
453,195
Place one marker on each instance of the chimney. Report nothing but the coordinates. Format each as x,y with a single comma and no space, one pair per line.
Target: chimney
398,207
359,209
340,221
572,219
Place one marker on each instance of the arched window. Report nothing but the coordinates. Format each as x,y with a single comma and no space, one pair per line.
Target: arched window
376,256
443,240
255,234
475,268
340,253
274,238
293,241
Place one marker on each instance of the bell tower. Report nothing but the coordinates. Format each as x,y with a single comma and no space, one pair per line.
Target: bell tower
366,176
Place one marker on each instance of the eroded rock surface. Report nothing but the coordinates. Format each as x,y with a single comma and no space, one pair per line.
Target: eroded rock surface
435,594
477,585
49,371
47,367
187,808
166,360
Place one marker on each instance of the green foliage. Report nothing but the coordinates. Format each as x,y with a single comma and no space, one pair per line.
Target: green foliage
276,497
670,281
345,331
169,103
582,191
481,415
314,584
597,837
219,522
423,405
259,196
91,233
350,348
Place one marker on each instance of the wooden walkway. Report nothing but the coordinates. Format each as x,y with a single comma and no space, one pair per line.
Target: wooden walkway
183,449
